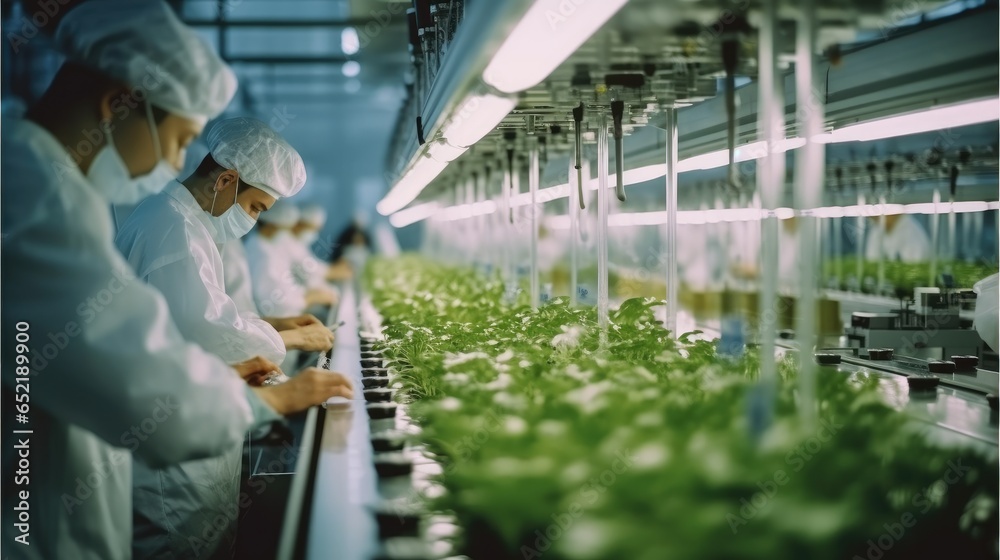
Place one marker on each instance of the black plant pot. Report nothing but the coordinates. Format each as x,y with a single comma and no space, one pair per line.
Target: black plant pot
374,372
375,382
371,362
378,395
388,443
381,411
397,524
391,467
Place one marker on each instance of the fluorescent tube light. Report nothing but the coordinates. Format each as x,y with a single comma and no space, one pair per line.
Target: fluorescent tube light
930,120
414,214
410,184
546,36
444,152
478,116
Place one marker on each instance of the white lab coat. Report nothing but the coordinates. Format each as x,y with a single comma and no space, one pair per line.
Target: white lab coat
275,290
236,271
307,269
168,241
109,370
907,242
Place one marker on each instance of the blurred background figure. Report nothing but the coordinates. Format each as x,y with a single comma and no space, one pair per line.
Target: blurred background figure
903,239
352,249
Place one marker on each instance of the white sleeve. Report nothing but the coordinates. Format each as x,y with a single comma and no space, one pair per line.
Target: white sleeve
236,272
105,354
274,288
204,313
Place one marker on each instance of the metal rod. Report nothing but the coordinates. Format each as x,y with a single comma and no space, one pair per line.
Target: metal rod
534,176
602,225
617,114
808,194
574,233
880,269
670,245
578,121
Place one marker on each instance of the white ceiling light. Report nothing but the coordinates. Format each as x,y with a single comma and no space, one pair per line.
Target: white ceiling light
477,116
939,118
351,68
413,215
444,152
350,44
548,34
410,184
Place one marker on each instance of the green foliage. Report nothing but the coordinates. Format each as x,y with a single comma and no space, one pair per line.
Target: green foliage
641,448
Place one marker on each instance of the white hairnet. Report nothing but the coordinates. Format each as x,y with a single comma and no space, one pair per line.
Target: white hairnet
313,214
282,214
144,45
262,157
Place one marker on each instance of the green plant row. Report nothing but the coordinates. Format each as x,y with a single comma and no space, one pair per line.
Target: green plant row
907,276
555,446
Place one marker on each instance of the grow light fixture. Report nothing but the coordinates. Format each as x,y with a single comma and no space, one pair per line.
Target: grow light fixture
479,114
465,211
414,214
408,187
930,120
444,152
714,216
546,36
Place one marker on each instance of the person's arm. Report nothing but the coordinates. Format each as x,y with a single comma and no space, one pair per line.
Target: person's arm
205,313
236,272
274,288
105,354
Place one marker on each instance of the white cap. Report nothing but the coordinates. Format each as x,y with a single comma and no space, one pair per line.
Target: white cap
262,157
282,214
144,45
313,214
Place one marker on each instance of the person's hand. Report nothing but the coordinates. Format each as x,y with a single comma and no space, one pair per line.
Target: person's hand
255,370
312,386
341,270
320,296
311,338
289,323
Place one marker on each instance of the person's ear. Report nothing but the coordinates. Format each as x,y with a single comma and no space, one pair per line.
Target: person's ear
226,179
110,103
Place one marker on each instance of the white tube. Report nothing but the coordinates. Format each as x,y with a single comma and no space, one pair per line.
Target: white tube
770,177
602,225
574,232
534,176
880,284
808,194
935,238
860,244
670,244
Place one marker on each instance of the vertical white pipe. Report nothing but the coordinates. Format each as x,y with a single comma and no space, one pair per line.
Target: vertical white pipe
838,250
534,176
670,243
574,232
508,240
602,224
880,284
808,194
935,238
859,249
770,177
952,248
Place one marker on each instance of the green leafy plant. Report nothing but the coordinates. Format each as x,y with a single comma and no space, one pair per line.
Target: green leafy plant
556,446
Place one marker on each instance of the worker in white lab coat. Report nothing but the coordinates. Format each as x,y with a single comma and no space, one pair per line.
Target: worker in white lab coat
903,239
275,290
106,370
171,240
309,271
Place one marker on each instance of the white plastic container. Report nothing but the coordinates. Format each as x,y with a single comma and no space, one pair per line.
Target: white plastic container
987,314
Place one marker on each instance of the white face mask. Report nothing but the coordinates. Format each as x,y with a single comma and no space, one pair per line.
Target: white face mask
233,224
110,175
